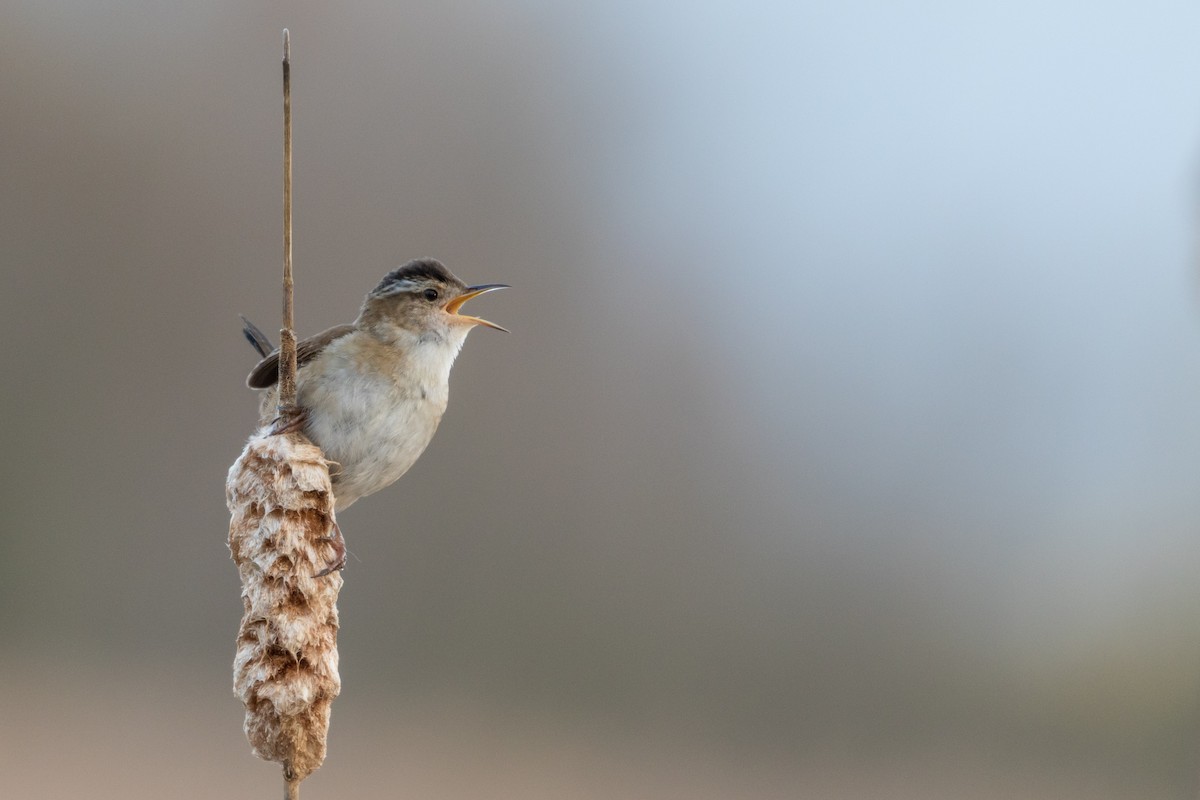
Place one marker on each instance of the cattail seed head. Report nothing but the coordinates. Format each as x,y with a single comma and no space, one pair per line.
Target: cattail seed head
285,670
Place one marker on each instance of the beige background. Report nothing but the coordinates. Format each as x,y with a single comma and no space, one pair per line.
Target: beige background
845,444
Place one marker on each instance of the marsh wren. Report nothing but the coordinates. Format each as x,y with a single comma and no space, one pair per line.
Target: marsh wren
371,394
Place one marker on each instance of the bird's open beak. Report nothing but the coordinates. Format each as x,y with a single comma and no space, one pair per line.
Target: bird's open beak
474,291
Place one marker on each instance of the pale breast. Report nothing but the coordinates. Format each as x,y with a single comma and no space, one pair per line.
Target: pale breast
373,410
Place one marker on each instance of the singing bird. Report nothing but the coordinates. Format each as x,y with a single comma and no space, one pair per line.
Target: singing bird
371,393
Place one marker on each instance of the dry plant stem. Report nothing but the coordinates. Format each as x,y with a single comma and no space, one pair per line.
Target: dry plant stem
280,498
287,336
291,789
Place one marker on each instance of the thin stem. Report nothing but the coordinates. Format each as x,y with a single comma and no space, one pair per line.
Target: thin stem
291,783
287,336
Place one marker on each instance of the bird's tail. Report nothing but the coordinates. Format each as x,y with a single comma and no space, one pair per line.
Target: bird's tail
257,339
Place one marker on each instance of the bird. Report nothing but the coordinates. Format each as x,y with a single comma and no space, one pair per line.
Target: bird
371,393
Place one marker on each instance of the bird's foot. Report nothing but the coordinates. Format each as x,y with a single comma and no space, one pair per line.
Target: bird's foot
289,420
338,543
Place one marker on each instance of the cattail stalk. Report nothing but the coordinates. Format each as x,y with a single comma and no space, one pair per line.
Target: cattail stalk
281,533
287,335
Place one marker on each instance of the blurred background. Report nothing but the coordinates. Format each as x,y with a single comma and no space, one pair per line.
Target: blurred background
845,445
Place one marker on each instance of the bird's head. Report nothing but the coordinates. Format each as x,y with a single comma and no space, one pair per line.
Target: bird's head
424,298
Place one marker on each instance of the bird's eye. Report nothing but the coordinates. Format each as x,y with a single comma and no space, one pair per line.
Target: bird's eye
431,294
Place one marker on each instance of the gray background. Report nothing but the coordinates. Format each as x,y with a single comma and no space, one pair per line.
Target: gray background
845,444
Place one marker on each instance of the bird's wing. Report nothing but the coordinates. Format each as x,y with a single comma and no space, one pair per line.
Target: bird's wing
266,374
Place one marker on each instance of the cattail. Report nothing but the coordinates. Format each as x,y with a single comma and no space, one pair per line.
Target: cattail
281,536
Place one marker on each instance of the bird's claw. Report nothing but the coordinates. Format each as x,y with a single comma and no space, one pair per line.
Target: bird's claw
338,543
289,420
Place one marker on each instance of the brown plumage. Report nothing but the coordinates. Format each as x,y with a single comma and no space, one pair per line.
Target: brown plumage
266,373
